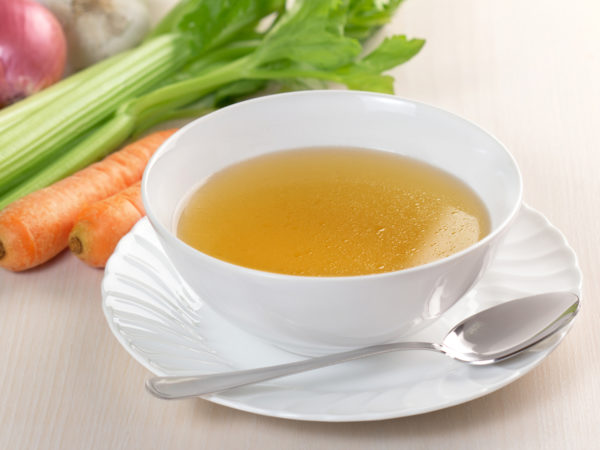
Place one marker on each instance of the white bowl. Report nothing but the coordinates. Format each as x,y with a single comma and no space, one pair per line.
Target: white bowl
314,315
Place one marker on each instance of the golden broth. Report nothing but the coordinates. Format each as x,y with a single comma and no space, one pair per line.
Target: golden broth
332,212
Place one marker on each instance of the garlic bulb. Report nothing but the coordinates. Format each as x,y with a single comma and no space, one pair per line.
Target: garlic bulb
97,29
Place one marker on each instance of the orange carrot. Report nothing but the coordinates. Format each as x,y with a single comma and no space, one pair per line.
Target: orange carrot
36,227
101,225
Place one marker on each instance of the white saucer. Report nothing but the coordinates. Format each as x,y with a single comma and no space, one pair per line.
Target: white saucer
170,331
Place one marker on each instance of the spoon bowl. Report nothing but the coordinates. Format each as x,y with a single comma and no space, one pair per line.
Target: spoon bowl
507,329
487,337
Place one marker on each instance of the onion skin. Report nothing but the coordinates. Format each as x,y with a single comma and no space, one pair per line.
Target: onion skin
33,49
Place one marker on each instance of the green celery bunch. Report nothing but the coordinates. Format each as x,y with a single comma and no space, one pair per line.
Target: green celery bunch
221,58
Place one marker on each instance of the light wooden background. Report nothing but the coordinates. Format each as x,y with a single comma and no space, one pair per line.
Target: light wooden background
529,72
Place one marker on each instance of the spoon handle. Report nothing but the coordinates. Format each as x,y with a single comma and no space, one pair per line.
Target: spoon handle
192,386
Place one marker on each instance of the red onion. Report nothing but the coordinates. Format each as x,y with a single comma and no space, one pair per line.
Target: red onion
32,49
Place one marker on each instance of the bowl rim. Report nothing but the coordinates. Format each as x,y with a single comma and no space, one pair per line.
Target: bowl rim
189,250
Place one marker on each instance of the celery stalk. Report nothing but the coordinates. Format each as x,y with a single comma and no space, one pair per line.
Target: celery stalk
184,92
91,148
23,109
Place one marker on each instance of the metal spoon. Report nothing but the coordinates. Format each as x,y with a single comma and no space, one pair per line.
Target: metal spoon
487,337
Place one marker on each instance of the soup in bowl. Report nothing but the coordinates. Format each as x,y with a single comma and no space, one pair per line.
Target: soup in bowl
330,211
325,220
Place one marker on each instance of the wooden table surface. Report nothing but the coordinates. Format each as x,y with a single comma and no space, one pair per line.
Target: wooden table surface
527,71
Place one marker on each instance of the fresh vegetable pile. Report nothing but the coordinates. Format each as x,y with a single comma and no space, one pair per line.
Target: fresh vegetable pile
204,54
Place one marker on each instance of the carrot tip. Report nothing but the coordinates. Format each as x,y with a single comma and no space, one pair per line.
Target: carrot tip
2,251
75,245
